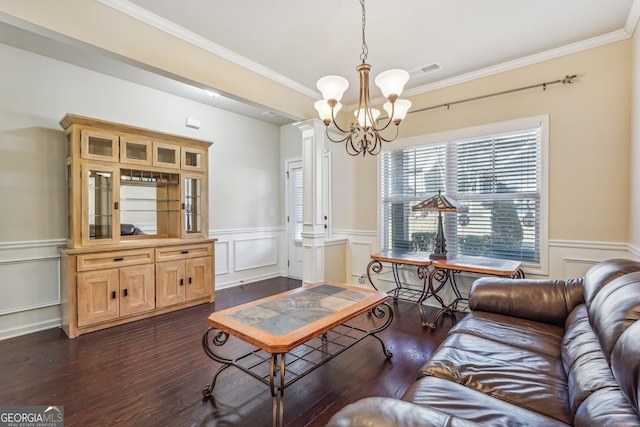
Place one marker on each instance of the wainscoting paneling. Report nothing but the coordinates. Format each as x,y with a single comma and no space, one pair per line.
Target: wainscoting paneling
255,253
222,257
22,286
248,255
30,286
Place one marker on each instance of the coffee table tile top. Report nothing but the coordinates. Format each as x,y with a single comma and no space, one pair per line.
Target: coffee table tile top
284,315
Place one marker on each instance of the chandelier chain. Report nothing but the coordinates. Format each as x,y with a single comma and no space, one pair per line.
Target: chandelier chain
365,49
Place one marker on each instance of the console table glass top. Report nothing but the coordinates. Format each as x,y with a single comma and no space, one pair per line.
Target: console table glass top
480,265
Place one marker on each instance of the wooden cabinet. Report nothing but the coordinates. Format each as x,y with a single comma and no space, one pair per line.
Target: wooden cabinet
186,278
106,295
137,237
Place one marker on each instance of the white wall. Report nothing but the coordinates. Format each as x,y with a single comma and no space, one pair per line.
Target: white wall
35,93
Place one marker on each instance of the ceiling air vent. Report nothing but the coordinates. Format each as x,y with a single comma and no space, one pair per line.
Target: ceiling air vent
419,72
269,114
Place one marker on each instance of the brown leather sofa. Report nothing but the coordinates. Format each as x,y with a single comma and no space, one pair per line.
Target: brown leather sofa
530,353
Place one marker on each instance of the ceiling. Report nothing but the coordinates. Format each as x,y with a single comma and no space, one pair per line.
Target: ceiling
295,42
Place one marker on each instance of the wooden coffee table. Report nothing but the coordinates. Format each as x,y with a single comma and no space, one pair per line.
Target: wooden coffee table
295,332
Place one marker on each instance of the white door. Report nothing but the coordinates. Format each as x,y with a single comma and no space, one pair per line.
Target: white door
294,218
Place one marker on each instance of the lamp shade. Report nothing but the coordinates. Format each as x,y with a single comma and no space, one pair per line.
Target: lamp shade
324,110
441,203
332,87
400,111
363,118
392,82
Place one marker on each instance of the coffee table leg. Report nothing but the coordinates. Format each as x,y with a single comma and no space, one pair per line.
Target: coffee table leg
277,390
380,312
220,338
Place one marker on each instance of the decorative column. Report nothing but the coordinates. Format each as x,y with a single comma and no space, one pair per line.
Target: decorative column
313,231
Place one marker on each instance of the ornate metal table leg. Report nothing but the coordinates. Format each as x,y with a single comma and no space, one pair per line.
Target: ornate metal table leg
277,390
519,274
219,339
379,313
376,267
441,276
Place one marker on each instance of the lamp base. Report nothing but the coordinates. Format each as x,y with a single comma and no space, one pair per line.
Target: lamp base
438,256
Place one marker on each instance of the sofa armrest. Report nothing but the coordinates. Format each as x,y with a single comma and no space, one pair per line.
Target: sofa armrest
388,412
548,301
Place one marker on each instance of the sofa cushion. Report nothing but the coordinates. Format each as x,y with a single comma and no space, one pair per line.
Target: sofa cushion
625,364
614,309
606,408
470,404
604,272
512,374
586,367
388,412
526,334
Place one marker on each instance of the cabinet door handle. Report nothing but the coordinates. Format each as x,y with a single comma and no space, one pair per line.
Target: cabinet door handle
116,205
119,259
113,295
189,280
185,252
126,292
181,282
183,206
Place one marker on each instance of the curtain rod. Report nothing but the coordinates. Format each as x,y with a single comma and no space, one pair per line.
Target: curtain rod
567,80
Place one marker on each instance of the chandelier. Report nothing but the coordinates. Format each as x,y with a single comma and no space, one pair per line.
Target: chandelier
364,134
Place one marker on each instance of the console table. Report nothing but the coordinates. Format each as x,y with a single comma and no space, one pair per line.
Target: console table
442,271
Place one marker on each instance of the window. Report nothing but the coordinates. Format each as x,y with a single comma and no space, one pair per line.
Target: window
496,175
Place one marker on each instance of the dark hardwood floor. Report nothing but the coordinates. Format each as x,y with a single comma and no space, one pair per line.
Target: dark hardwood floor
152,372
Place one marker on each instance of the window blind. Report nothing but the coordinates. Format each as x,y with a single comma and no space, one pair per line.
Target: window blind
497,177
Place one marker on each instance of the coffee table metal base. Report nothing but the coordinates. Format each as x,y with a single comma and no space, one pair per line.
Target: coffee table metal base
279,370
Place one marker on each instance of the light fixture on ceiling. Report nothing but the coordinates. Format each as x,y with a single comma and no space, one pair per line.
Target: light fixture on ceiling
364,135
211,93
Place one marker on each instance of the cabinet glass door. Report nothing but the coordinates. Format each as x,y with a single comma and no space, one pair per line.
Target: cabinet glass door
192,205
99,221
135,151
166,155
101,146
193,159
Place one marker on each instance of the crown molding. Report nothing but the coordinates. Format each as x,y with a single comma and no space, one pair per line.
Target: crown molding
169,27
569,49
633,18
162,24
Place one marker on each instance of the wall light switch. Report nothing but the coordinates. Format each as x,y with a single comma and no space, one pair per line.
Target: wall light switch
193,123
272,212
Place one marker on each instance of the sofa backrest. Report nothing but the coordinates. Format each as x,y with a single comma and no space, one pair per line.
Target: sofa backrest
612,294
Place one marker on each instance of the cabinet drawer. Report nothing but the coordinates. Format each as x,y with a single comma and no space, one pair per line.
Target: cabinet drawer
182,252
97,261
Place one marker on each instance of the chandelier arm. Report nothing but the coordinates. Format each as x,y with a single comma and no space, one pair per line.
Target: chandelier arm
377,146
390,139
384,127
333,120
350,148
334,140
